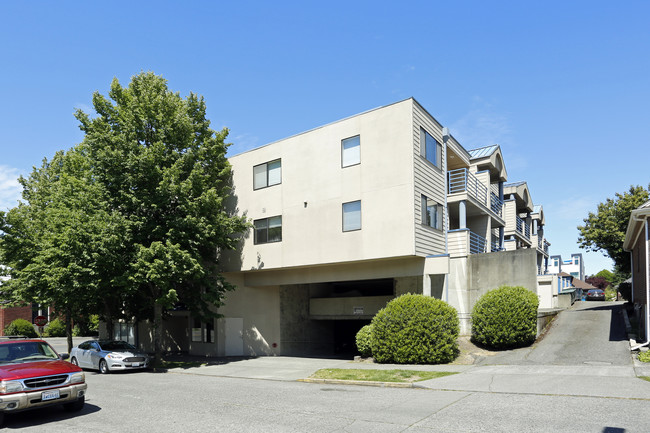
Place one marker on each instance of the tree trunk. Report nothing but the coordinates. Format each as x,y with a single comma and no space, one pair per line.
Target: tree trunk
157,333
68,329
109,320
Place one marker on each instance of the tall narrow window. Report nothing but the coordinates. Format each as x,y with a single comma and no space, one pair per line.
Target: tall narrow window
431,213
267,174
430,148
352,216
351,151
268,230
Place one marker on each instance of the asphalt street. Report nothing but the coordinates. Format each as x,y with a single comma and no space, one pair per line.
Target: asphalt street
579,382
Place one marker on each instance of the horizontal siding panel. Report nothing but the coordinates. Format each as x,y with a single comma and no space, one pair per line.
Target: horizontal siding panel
429,181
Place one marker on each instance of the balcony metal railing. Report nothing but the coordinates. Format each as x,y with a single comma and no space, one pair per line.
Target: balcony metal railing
476,243
495,246
522,228
546,244
462,180
496,204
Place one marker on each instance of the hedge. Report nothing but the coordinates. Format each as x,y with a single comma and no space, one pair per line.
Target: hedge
415,329
505,318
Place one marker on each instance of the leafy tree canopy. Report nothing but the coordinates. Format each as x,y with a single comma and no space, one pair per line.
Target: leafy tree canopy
608,275
131,220
55,243
598,282
605,230
166,172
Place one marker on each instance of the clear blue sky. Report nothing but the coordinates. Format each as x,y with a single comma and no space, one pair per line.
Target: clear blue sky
562,86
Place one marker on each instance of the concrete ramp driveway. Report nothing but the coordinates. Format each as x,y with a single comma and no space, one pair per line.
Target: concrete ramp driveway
584,353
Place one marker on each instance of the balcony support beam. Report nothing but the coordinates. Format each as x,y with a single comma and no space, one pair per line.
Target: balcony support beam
462,214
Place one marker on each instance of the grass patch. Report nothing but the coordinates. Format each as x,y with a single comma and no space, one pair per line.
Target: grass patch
399,376
645,378
644,356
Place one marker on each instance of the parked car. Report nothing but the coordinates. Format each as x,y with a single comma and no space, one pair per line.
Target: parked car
595,295
33,375
107,356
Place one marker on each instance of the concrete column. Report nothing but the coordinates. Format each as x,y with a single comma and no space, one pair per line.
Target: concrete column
462,215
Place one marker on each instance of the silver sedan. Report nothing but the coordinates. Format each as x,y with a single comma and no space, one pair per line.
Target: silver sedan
107,356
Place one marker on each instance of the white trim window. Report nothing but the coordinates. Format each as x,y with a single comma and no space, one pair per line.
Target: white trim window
268,230
430,148
431,213
267,174
351,151
352,216
202,332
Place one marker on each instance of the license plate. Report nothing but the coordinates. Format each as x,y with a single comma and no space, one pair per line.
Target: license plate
135,364
50,395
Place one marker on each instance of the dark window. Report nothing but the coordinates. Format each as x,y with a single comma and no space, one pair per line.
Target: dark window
430,148
268,230
267,174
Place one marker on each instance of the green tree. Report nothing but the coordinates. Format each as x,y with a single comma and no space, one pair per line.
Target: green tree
608,275
166,173
55,241
605,230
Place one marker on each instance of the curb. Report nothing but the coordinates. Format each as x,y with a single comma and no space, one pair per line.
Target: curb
359,383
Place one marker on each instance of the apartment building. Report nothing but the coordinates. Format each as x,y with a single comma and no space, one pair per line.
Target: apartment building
575,266
350,215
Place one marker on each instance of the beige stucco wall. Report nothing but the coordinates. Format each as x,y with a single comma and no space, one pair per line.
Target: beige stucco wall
259,309
314,187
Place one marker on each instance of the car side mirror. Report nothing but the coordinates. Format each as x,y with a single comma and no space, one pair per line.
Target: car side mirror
64,355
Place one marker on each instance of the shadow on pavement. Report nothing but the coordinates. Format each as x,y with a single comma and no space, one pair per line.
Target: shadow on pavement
44,416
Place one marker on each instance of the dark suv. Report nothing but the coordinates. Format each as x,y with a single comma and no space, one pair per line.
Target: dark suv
33,375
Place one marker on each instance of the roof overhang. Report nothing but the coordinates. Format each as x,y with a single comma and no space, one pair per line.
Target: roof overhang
638,219
490,158
522,195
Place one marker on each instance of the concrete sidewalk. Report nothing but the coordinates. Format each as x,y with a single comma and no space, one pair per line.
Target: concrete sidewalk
592,381
285,368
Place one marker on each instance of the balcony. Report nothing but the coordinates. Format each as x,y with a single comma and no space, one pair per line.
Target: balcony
462,180
522,228
496,204
463,242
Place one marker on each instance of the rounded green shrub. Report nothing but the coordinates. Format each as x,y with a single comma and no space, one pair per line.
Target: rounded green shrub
56,328
363,339
505,318
415,329
21,327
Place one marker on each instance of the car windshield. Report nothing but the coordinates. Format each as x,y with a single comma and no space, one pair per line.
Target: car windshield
23,351
116,345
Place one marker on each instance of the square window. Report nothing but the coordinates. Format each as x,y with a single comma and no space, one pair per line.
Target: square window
430,148
431,213
268,230
352,216
351,151
267,174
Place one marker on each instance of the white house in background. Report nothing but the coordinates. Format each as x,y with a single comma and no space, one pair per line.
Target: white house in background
348,216
575,266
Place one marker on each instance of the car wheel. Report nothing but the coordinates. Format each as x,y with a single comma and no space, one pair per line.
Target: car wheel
103,367
75,406
73,361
